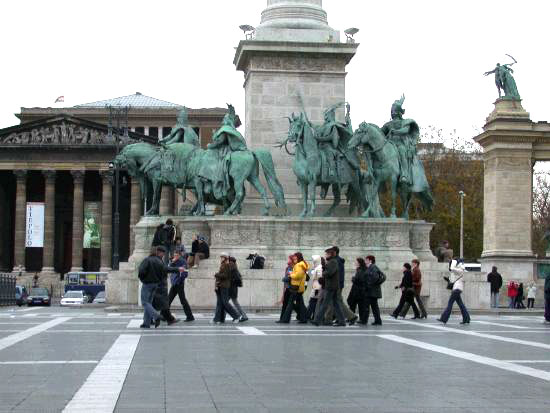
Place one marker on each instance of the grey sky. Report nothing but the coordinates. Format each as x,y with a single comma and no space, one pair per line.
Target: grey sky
182,51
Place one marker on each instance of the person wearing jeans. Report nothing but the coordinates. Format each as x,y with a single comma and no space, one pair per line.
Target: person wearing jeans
495,279
149,313
177,288
223,283
457,279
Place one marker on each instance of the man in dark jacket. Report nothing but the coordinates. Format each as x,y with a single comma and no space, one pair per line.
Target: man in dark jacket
222,286
177,281
331,285
495,279
407,293
417,286
168,238
199,251
151,273
348,314
375,278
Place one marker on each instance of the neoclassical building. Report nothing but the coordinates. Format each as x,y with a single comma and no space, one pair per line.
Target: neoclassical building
58,159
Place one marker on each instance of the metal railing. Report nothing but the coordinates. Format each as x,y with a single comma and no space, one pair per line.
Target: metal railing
7,289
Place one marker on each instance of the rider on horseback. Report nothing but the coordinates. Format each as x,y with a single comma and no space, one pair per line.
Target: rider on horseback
182,132
404,135
227,139
333,139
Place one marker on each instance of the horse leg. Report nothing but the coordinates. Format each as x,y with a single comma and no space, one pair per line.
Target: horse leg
239,197
337,197
255,181
393,195
157,188
406,198
303,187
313,197
199,187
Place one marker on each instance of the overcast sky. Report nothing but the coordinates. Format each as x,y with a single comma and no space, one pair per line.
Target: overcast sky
182,51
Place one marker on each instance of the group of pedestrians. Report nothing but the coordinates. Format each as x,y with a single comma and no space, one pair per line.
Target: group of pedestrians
228,280
411,287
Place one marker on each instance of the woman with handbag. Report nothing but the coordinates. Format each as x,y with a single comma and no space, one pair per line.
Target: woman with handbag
456,284
315,274
296,289
407,293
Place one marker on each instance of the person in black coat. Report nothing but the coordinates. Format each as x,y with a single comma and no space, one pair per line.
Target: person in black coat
374,280
407,293
357,295
495,279
199,251
177,281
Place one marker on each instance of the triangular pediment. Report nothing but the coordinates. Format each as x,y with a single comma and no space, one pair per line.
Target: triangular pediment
64,130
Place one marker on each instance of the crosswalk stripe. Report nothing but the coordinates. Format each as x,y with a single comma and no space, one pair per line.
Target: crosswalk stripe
251,331
500,324
22,335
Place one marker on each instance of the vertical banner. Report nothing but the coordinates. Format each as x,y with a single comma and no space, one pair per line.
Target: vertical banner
92,225
34,237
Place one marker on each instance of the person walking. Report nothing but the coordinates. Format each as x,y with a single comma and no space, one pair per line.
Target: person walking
520,298
331,283
375,278
222,285
348,314
407,293
316,288
200,250
296,290
417,286
357,296
236,283
512,293
286,283
531,295
495,279
547,300
456,280
177,288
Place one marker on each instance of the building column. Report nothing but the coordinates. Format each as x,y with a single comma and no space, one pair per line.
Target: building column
146,130
78,220
135,210
160,132
106,221
49,222
166,201
20,224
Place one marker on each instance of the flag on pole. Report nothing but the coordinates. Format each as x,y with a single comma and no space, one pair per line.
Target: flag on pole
60,99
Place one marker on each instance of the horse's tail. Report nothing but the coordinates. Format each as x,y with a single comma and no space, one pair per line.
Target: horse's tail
266,161
427,199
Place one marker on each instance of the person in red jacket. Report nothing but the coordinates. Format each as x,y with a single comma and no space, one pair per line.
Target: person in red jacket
512,293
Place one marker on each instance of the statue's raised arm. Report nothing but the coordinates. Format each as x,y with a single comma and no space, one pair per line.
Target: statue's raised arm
505,81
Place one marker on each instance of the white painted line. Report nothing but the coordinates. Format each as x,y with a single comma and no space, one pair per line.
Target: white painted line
500,324
504,365
49,362
134,323
101,390
528,361
251,331
20,336
482,335
30,315
24,310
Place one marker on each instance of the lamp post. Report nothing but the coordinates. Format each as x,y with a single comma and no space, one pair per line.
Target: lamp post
119,116
462,195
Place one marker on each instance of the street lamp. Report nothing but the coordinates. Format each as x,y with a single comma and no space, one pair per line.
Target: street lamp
119,116
462,195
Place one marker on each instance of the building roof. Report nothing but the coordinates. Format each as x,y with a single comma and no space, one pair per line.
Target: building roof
137,100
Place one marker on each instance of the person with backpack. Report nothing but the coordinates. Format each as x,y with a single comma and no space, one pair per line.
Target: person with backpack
407,293
236,283
222,286
374,280
177,287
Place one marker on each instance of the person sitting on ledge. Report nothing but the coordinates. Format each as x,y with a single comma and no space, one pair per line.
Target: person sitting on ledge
199,251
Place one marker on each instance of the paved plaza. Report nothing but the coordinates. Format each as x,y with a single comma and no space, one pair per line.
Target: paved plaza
81,359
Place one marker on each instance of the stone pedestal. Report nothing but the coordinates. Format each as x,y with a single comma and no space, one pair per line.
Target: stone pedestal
508,141
294,52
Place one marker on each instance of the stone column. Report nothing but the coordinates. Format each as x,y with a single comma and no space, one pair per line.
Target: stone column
508,143
78,219
49,222
135,210
106,221
20,224
166,201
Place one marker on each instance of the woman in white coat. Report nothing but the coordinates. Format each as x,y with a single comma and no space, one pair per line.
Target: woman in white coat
456,278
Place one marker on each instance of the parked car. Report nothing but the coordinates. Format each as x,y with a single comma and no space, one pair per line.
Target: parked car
39,296
99,298
20,295
74,298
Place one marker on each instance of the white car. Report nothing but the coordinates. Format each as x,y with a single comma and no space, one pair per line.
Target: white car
74,298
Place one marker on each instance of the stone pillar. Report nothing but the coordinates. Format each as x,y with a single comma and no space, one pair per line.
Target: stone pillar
106,221
49,222
166,201
135,210
78,218
20,224
508,152
294,52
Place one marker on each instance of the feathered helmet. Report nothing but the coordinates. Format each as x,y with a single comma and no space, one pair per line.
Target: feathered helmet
231,117
397,106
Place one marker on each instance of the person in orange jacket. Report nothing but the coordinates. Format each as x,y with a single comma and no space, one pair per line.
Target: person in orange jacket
296,289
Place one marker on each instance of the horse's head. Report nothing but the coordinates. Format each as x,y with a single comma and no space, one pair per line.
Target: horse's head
296,128
360,136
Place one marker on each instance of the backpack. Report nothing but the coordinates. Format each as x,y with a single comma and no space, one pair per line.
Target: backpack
381,278
237,279
256,262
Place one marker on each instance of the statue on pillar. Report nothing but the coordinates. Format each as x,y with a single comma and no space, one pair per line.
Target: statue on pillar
505,81
182,132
